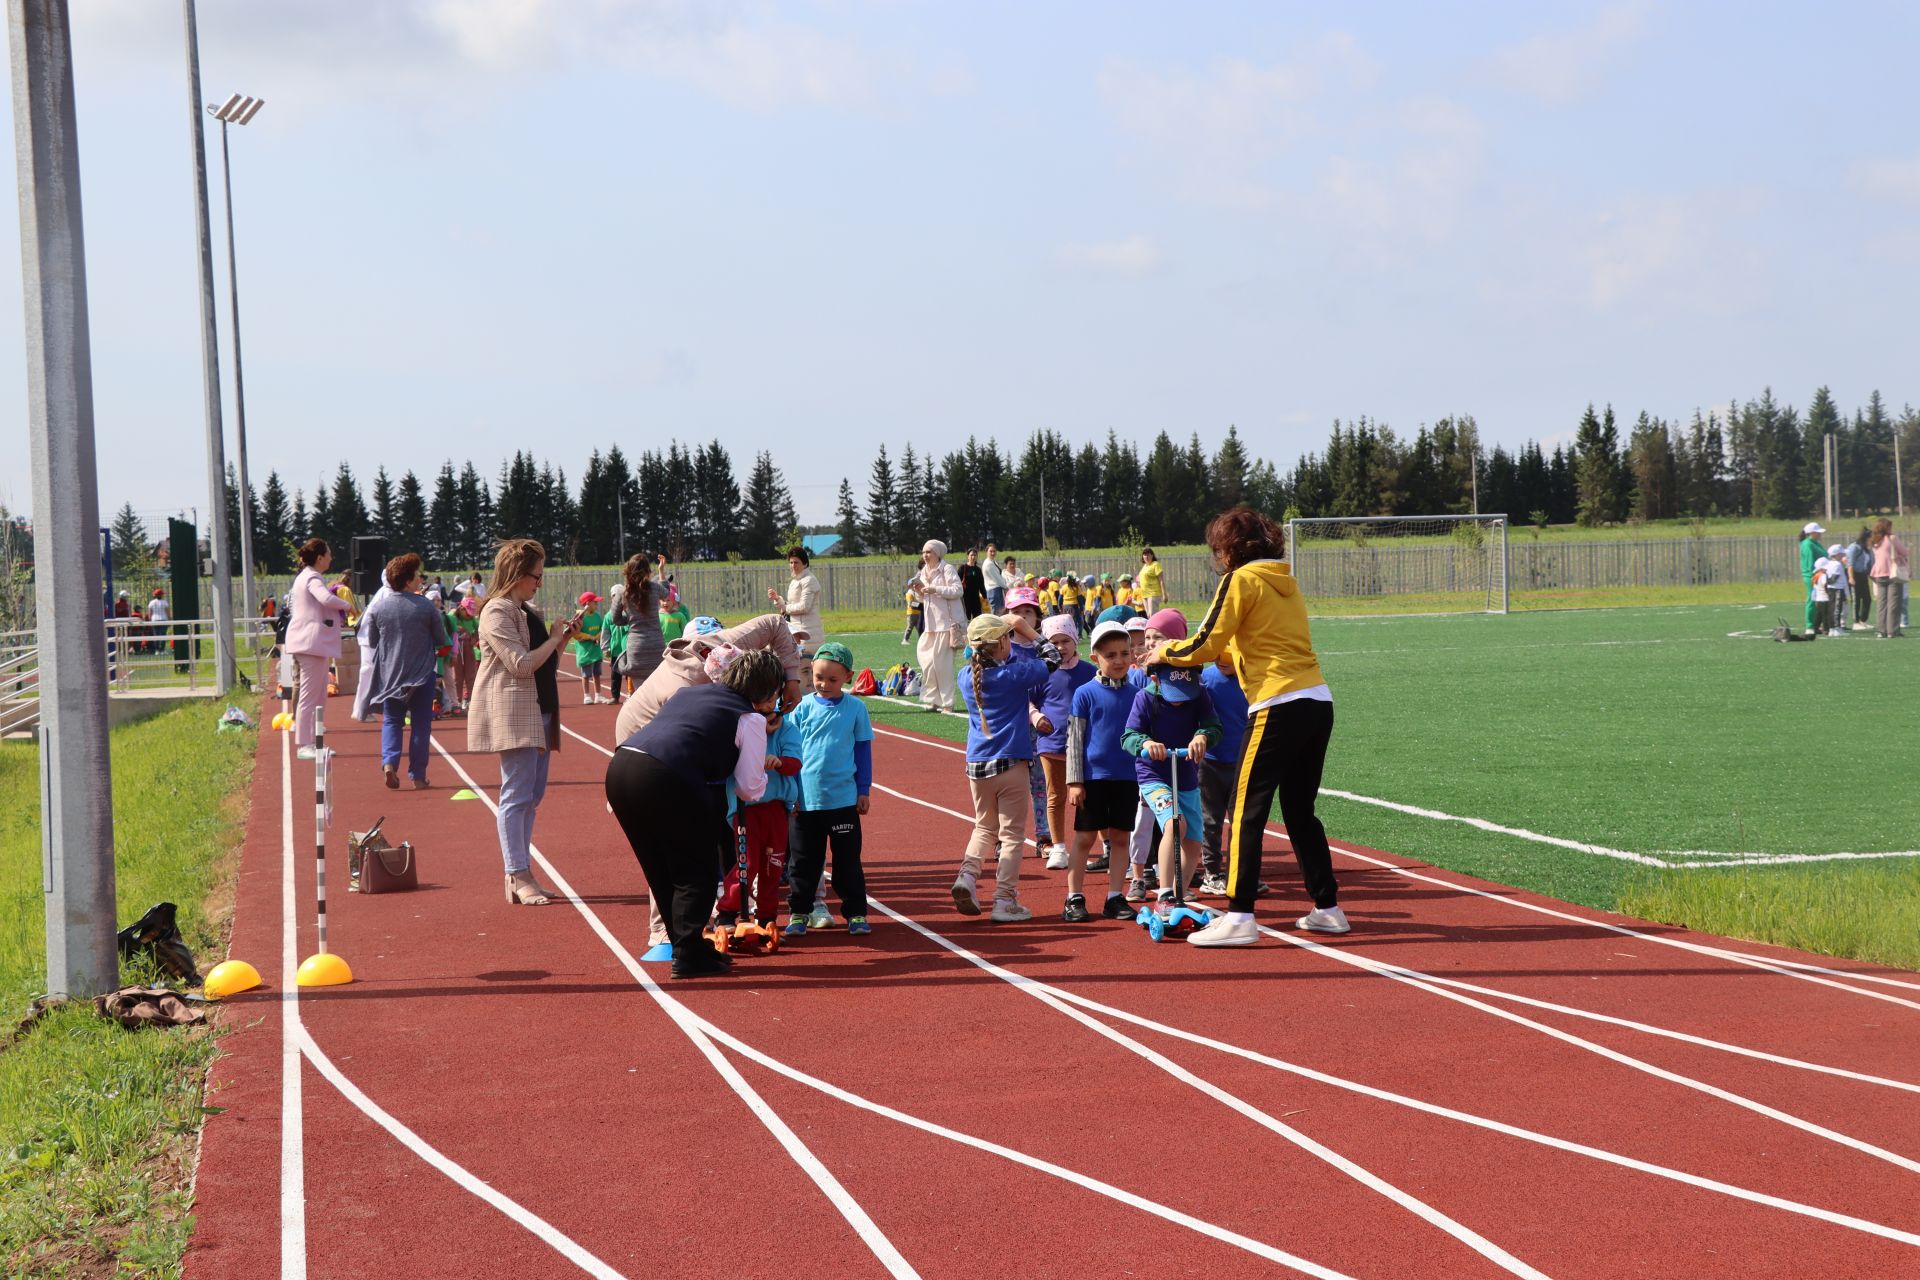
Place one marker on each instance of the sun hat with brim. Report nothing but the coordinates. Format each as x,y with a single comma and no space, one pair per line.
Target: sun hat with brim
834,651
1019,596
987,629
1106,631
1175,684
1059,627
1812,526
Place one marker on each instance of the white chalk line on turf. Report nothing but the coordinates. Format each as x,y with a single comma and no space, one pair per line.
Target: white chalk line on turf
830,1186
1789,968
293,1253
1413,979
1384,1095
1198,1225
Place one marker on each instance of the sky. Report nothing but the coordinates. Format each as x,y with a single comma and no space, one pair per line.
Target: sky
468,227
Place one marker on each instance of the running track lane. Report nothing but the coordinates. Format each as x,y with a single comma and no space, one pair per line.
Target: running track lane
535,1102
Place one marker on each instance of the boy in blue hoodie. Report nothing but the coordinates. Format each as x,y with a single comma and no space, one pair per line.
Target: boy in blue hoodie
836,773
1172,711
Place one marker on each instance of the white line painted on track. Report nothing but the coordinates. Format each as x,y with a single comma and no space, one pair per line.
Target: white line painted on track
1415,980
1788,968
1199,1225
1416,1104
295,1031
293,1187
830,1186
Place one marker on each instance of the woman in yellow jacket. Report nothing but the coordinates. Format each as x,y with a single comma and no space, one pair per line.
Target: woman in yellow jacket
1259,617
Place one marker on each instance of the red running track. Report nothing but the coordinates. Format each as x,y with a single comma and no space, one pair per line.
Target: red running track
1475,1082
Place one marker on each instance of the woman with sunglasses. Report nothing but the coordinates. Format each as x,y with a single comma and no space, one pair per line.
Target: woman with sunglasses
515,710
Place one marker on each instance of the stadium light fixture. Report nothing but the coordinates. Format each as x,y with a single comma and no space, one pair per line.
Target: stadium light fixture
238,109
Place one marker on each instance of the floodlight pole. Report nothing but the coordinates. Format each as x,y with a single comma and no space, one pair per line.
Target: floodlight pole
221,585
76,787
1899,499
248,604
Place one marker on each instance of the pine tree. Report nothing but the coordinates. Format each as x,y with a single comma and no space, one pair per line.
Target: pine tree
878,531
627,505
849,521
1596,449
132,546
769,513
273,541
1823,420
446,543
1870,459
381,518
350,518
410,519
910,509
477,530
300,524
1229,472
232,503
716,501
1650,459
321,520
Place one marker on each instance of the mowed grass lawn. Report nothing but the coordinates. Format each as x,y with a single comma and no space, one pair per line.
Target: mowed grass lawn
1648,730
97,1123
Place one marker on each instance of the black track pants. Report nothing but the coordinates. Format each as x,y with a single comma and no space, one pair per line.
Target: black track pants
679,835
1286,749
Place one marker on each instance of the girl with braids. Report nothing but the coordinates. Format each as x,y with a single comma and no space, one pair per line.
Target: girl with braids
667,787
998,688
638,611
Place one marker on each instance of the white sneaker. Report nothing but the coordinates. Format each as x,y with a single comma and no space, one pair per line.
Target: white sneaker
964,900
1862,626
304,753
1324,920
1057,859
1009,912
819,918
1225,933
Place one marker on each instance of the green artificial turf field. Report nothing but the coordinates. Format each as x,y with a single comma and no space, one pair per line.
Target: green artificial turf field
1671,733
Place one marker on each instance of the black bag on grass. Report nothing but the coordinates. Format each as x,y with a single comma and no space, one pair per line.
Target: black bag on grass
1785,633
156,934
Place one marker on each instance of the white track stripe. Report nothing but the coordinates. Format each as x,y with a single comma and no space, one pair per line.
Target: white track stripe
295,1032
1508,1015
849,1208
1465,1117
293,1185
1788,968
1203,1227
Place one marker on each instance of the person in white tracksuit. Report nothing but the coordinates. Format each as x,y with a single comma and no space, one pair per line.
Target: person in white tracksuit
939,586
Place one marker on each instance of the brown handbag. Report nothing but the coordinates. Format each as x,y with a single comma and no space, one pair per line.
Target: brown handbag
374,866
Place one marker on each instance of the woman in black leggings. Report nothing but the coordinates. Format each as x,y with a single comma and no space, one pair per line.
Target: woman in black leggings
667,786
1259,616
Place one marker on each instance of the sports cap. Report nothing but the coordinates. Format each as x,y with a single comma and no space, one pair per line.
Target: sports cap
1136,623
588,597
1812,526
834,651
1175,684
986,629
1108,630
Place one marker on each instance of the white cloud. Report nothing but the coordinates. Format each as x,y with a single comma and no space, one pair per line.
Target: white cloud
1558,67
1890,179
1132,256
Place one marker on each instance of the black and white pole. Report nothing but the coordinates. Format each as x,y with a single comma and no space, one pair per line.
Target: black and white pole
323,968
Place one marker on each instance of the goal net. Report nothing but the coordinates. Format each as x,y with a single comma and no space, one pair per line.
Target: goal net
1402,564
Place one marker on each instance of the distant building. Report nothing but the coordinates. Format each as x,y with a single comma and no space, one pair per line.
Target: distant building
821,544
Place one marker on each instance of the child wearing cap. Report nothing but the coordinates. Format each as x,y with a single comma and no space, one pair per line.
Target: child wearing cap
1836,622
1100,774
998,688
587,653
836,775
1123,594
1050,716
1023,603
916,616
1174,710
674,619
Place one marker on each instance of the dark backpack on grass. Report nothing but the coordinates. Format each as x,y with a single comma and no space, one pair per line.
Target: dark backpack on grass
1785,633
156,934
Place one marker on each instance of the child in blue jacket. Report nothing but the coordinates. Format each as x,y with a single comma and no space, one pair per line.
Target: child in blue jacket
1100,774
999,688
836,774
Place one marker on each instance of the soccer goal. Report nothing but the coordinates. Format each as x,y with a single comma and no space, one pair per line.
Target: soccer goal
1402,564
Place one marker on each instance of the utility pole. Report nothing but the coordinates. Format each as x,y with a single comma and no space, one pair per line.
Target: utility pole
238,109
620,520
220,585
1899,499
1826,471
76,785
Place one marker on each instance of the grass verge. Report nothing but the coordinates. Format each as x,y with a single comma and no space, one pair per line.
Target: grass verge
97,1124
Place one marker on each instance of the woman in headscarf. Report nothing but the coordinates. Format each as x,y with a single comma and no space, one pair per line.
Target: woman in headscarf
939,589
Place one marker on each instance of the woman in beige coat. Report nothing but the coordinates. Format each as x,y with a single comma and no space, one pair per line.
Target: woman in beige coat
515,710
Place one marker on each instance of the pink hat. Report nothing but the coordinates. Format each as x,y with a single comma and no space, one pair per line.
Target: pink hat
1022,596
1059,625
1170,623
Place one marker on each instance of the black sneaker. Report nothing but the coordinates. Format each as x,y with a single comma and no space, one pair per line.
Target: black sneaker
701,964
1117,907
1100,863
1076,910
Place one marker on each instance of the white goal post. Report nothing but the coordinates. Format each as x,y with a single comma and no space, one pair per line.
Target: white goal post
1402,564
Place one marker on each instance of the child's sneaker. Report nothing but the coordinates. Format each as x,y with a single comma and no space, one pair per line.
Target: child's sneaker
796,928
820,917
1076,909
1057,859
1009,911
1137,889
1100,863
1163,902
1117,908
1324,920
857,925
964,900
1213,886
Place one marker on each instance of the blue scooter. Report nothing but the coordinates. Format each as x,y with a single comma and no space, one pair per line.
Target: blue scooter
1180,917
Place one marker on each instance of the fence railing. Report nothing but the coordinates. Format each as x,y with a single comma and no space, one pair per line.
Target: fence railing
140,656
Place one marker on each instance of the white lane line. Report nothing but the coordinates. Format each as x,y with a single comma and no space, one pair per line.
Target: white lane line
1416,1104
830,1186
1788,968
1637,1064
1203,1227
293,1187
295,1032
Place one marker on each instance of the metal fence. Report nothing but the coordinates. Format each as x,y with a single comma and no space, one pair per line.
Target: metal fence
141,656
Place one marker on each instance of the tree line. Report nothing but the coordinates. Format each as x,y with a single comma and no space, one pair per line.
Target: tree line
1757,457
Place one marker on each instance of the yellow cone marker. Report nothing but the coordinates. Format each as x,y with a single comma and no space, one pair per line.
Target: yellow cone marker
324,970
230,977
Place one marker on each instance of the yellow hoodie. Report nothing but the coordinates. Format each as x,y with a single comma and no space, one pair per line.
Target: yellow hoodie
1259,616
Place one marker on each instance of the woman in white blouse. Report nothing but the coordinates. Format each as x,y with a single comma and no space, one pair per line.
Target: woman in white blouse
801,604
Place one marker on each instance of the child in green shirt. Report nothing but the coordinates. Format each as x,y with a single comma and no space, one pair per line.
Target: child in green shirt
586,649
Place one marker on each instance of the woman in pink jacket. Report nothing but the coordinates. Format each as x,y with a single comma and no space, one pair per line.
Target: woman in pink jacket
316,620
1892,572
